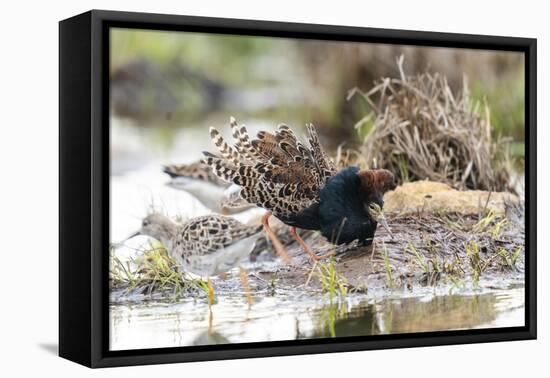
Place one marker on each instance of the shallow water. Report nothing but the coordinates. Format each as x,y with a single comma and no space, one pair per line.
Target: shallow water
154,324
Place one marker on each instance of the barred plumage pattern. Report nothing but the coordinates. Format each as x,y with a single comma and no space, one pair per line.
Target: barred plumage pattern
210,233
196,170
207,245
276,171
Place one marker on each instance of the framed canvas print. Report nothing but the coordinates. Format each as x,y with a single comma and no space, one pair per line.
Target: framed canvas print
235,188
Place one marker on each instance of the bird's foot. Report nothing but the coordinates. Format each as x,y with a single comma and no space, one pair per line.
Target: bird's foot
314,258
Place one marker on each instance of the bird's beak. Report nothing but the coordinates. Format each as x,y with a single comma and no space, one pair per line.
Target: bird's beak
376,213
121,243
134,234
382,221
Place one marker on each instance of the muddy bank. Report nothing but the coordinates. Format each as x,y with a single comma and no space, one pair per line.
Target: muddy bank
425,249
440,239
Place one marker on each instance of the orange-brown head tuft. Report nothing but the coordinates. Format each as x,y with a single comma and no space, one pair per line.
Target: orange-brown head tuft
376,181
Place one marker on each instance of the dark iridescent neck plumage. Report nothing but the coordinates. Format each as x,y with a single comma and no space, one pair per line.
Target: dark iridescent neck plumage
342,212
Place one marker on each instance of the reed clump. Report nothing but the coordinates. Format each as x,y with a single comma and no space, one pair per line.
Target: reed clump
418,128
152,272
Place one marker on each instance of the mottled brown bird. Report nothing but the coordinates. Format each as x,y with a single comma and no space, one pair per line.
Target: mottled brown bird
208,245
197,179
300,185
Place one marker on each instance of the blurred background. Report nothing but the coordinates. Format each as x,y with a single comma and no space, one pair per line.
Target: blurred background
171,80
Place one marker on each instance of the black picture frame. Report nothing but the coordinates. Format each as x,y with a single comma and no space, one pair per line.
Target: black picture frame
84,187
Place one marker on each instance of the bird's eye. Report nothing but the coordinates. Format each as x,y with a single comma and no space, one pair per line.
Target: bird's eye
145,223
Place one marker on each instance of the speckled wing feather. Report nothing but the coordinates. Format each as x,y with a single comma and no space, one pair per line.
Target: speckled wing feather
197,170
325,165
211,233
275,171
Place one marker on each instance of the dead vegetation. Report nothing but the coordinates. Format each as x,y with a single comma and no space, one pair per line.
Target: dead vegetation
419,129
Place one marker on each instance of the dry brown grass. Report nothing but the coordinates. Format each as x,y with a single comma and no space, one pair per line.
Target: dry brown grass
420,129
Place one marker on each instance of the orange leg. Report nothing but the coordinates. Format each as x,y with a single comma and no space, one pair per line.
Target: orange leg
243,276
210,293
306,247
279,248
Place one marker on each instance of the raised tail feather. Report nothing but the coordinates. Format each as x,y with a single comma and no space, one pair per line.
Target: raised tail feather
225,149
326,166
242,141
275,170
221,167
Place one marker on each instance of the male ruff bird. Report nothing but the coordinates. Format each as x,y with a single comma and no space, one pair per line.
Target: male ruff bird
300,185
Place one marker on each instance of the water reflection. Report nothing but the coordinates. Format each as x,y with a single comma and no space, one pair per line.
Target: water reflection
190,322
416,315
